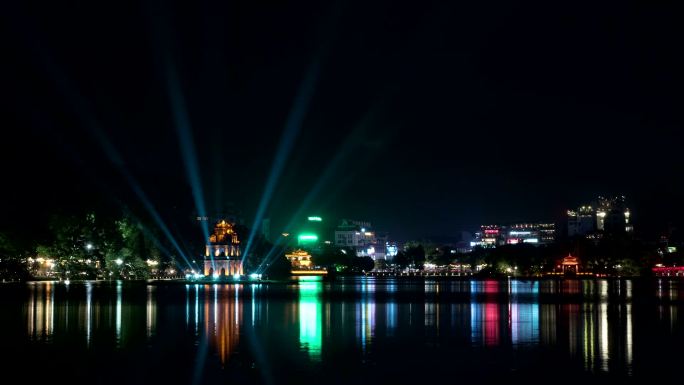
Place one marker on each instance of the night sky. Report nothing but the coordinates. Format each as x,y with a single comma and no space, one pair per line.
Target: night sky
425,118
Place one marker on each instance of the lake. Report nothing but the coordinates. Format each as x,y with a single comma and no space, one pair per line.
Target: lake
352,330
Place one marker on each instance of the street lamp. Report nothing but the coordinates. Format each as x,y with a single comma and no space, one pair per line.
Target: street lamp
118,261
89,246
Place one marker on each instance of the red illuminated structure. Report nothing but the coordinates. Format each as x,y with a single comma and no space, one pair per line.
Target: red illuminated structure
668,271
569,265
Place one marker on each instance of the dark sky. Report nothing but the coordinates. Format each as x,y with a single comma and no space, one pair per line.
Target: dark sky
425,118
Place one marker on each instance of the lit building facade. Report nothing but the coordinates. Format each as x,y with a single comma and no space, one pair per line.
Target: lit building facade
581,221
530,233
533,233
311,233
222,254
359,236
606,215
488,236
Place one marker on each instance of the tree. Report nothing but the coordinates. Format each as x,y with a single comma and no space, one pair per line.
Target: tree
332,257
364,263
279,268
401,260
11,266
416,254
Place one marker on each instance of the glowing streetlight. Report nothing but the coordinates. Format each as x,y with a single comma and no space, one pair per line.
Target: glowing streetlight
118,261
89,246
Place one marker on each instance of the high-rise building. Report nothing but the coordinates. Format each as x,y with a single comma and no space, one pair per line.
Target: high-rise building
609,215
581,221
311,233
266,229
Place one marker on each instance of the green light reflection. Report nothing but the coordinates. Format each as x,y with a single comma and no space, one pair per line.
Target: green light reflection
310,309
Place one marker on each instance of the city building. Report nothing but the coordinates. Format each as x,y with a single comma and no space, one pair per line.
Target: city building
495,235
581,221
311,233
609,215
222,254
534,233
266,229
613,215
358,235
488,236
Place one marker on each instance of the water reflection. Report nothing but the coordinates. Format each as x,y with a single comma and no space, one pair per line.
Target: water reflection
310,336
150,312
590,322
222,318
484,317
524,317
119,308
88,311
41,311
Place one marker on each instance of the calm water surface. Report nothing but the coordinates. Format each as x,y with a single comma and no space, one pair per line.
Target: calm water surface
354,330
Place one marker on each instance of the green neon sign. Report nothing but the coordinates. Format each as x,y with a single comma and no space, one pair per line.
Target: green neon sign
308,237
315,219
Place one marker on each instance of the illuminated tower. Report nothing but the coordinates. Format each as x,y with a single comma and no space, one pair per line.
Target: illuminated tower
222,254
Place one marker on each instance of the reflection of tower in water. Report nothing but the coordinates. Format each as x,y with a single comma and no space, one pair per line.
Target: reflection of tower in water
222,318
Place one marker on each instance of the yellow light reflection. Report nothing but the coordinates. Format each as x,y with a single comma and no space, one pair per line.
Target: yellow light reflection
222,318
40,312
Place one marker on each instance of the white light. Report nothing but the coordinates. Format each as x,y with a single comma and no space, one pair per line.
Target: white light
363,229
255,276
236,276
89,246
118,261
520,233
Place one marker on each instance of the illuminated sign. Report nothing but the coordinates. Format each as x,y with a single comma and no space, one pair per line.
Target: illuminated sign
531,240
307,238
512,241
489,240
315,219
520,233
671,249
491,231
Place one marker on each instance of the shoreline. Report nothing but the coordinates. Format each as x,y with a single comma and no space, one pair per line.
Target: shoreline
295,279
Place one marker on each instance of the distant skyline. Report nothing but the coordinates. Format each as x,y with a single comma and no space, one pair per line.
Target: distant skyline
425,119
